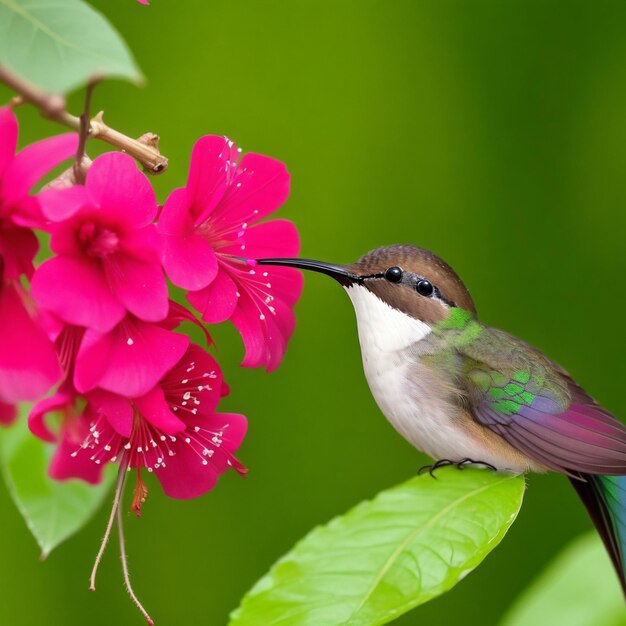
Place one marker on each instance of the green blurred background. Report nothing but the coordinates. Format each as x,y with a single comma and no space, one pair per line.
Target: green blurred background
491,132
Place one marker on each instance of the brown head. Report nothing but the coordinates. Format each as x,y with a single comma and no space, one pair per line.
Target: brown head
407,278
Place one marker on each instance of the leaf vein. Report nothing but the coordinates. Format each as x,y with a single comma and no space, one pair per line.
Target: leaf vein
411,537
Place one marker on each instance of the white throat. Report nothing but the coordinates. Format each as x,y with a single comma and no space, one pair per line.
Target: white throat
381,327
410,395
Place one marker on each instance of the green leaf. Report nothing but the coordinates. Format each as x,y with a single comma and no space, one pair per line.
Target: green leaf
411,543
59,45
53,510
579,588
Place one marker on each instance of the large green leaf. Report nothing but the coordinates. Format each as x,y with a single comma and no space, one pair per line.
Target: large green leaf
579,588
61,44
411,543
53,510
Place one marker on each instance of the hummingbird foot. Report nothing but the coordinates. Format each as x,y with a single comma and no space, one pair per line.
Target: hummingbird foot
465,462
458,464
434,466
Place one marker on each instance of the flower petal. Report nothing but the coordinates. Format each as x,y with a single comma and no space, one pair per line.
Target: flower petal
18,247
213,158
143,243
179,314
36,160
153,407
264,335
139,285
260,186
117,410
59,204
128,360
36,418
75,289
189,259
269,239
190,262
286,283
8,136
247,320
66,463
8,414
263,314
280,329
122,192
217,302
28,360
194,385
190,472
175,217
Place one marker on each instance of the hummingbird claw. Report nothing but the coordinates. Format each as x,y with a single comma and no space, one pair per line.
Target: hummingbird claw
465,462
426,468
462,464
436,465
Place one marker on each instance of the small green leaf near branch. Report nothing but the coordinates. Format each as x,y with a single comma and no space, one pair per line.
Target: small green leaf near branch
52,106
59,45
408,545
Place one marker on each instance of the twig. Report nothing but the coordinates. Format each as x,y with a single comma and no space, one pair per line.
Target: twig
52,107
85,128
153,162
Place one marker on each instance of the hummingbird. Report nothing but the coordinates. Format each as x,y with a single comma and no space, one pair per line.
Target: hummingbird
466,393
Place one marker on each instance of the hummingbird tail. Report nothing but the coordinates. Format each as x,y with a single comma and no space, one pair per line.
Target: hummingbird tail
605,500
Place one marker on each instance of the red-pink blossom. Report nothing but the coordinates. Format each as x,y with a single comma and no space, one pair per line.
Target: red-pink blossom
28,363
74,415
19,211
209,225
128,359
8,413
172,430
107,261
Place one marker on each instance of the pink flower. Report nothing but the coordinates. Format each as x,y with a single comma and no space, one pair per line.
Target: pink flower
18,174
8,413
28,363
73,428
211,223
28,360
129,359
172,430
107,251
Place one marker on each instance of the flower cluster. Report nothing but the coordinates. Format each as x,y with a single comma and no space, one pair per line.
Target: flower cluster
97,331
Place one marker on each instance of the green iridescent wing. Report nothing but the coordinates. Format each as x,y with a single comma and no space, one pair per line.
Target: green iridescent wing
535,406
529,401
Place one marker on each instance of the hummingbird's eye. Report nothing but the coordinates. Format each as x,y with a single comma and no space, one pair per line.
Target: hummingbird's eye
393,274
425,288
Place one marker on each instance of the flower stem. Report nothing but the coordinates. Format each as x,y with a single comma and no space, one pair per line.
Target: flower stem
52,107
129,588
85,128
119,490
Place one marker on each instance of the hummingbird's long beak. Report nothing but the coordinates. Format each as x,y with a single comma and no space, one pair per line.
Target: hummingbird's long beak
339,272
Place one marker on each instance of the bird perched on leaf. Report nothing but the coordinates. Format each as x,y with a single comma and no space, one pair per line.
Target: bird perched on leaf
463,392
